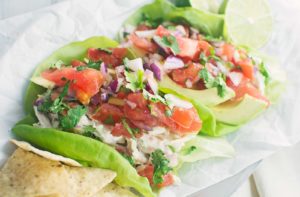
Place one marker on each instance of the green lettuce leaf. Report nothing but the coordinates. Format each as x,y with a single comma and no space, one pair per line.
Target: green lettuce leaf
87,151
204,147
162,10
74,50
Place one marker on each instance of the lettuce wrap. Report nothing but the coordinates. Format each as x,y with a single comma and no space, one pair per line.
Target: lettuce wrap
220,115
91,152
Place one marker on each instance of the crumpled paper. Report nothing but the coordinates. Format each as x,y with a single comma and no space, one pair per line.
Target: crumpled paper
27,39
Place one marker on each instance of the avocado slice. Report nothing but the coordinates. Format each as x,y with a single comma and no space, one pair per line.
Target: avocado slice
236,113
208,97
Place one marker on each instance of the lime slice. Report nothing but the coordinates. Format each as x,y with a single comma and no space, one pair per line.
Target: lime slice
206,5
248,22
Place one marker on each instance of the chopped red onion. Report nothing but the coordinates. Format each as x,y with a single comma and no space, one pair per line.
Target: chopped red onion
173,62
103,68
235,77
156,71
120,70
114,85
141,125
175,101
95,100
132,105
38,102
135,64
151,81
146,33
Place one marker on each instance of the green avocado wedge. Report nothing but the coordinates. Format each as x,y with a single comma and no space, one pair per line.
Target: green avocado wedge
208,97
74,50
237,113
163,10
87,151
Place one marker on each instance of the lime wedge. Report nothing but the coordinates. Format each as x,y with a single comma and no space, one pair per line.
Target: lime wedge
248,22
206,5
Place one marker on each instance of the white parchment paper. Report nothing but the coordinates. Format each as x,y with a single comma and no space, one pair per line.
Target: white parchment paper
27,39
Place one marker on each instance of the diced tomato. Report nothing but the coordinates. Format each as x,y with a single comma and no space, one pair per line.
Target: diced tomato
140,112
247,68
245,87
119,130
119,53
114,59
181,120
167,180
188,48
182,117
107,112
85,83
161,31
228,51
148,172
76,63
178,122
191,72
142,43
204,47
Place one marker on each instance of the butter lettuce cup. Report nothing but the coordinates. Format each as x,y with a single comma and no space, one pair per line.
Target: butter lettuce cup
185,49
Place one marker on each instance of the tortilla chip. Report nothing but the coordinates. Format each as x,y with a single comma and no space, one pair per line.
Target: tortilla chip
29,175
45,154
113,190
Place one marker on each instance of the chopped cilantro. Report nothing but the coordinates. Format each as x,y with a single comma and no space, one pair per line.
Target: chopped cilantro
106,50
264,72
109,120
211,82
135,80
170,41
129,159
72,118
190,149
80,68
131,131
94,65
161,166
153,97
88,131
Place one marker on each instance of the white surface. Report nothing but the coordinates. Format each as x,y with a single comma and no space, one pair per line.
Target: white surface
32,37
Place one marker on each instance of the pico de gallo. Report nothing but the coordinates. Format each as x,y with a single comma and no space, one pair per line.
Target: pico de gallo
110,98
195,61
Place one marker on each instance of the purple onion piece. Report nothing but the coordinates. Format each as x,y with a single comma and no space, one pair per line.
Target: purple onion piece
95,100
104,97
148,88
103,68
156,71
141,125
38,102
146,66
114,85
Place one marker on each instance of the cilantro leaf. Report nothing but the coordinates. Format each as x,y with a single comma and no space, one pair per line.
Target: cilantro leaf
109,120
89,131
72,118
211,82
190,150
131,131
161,166
94,65
135,80
263,70
128,158
80,68
153,97
170,41
106,50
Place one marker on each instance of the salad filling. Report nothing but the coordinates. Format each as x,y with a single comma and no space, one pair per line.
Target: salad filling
195,61
110,98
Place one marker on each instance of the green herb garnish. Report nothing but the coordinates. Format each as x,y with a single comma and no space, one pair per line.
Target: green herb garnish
190,150
109,120
131,131
57,64
211,82
106,50
129,159
135,80
263,70
171,42
161,166
72,118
